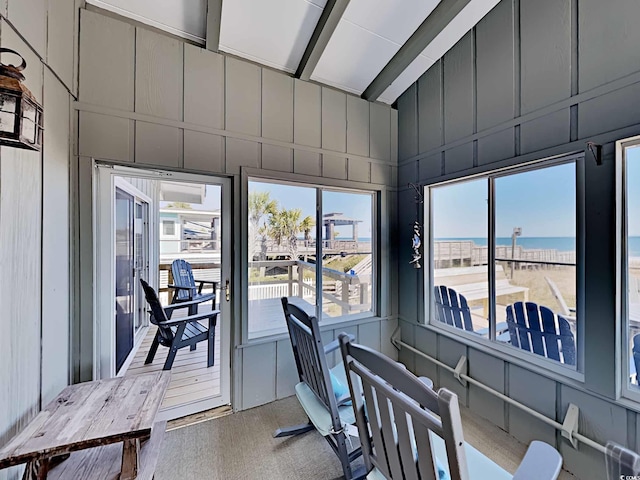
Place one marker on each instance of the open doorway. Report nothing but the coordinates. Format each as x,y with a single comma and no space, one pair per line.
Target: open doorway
147,222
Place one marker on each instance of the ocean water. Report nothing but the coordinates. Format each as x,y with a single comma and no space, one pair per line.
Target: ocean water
562,244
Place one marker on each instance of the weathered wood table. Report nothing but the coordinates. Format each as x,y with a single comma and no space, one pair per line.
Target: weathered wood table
114,415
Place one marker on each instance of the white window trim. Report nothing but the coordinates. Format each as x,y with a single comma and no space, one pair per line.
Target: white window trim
507,352
623,354
379,304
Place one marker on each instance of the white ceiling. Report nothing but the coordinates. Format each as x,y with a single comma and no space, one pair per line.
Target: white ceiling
273,32
185,18
366,39
276,32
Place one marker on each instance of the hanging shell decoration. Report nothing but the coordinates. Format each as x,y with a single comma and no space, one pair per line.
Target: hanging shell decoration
415,244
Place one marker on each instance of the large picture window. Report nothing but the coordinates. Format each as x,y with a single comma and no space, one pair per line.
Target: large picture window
629,161
503,257
311,243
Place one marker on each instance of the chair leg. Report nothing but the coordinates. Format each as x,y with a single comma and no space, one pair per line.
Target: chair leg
175,345
168,363
193,347
343,455
153,349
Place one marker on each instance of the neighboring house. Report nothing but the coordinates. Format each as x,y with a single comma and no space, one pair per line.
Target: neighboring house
188,231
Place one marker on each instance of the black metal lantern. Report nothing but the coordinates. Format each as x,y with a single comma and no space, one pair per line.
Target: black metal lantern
20,114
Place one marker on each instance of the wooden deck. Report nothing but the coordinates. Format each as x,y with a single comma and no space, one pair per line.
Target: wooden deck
191,380
267,318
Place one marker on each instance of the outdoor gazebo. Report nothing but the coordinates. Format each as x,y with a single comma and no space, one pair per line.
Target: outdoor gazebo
332,220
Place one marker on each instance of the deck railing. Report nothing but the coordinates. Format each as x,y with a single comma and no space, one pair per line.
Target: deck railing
288,278
465,253
349,292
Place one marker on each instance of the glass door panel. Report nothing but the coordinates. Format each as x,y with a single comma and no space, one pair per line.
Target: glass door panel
124,275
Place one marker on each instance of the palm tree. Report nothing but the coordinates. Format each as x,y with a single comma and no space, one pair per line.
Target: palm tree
285,225
306,225
260,205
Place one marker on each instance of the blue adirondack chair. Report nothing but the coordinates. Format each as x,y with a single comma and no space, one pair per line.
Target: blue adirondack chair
537,329
452,309
184,285
636,356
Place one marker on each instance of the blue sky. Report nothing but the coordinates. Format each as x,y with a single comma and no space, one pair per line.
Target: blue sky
352,205
633,191
541,202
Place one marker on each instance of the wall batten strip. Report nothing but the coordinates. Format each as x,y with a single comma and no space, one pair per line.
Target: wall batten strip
517,60
575,55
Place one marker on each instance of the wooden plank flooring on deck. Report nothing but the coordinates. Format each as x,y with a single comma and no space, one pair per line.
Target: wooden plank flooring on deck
191,379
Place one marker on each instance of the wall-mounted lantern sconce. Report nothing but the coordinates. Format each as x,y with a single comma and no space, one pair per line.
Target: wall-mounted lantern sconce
20,114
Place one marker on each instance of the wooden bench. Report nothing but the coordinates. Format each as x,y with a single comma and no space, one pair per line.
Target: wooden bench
473,283
104,429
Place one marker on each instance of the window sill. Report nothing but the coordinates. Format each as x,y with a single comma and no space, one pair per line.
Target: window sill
547,368
324,326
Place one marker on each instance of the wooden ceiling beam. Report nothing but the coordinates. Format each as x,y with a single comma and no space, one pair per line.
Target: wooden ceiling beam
428,30
331,15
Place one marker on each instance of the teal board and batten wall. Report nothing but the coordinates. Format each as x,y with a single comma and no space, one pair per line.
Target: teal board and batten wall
34,219
151,100
534,78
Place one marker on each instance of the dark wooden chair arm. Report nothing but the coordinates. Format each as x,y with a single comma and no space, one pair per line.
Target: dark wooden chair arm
175,306
191,318
180,287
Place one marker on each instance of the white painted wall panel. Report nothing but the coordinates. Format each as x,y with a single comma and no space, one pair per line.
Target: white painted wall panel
55,245
241,153
277,158
359,170
20,241
60,33
307,114
159,75
258,375
30,18
158,145
203,87
306,163
286,371
203,152
242,97
357,126
334,167
334,120
107,61
105,137
277,106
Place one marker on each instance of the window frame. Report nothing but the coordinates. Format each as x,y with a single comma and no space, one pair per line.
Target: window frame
378,199
489,344
165,223
623,353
